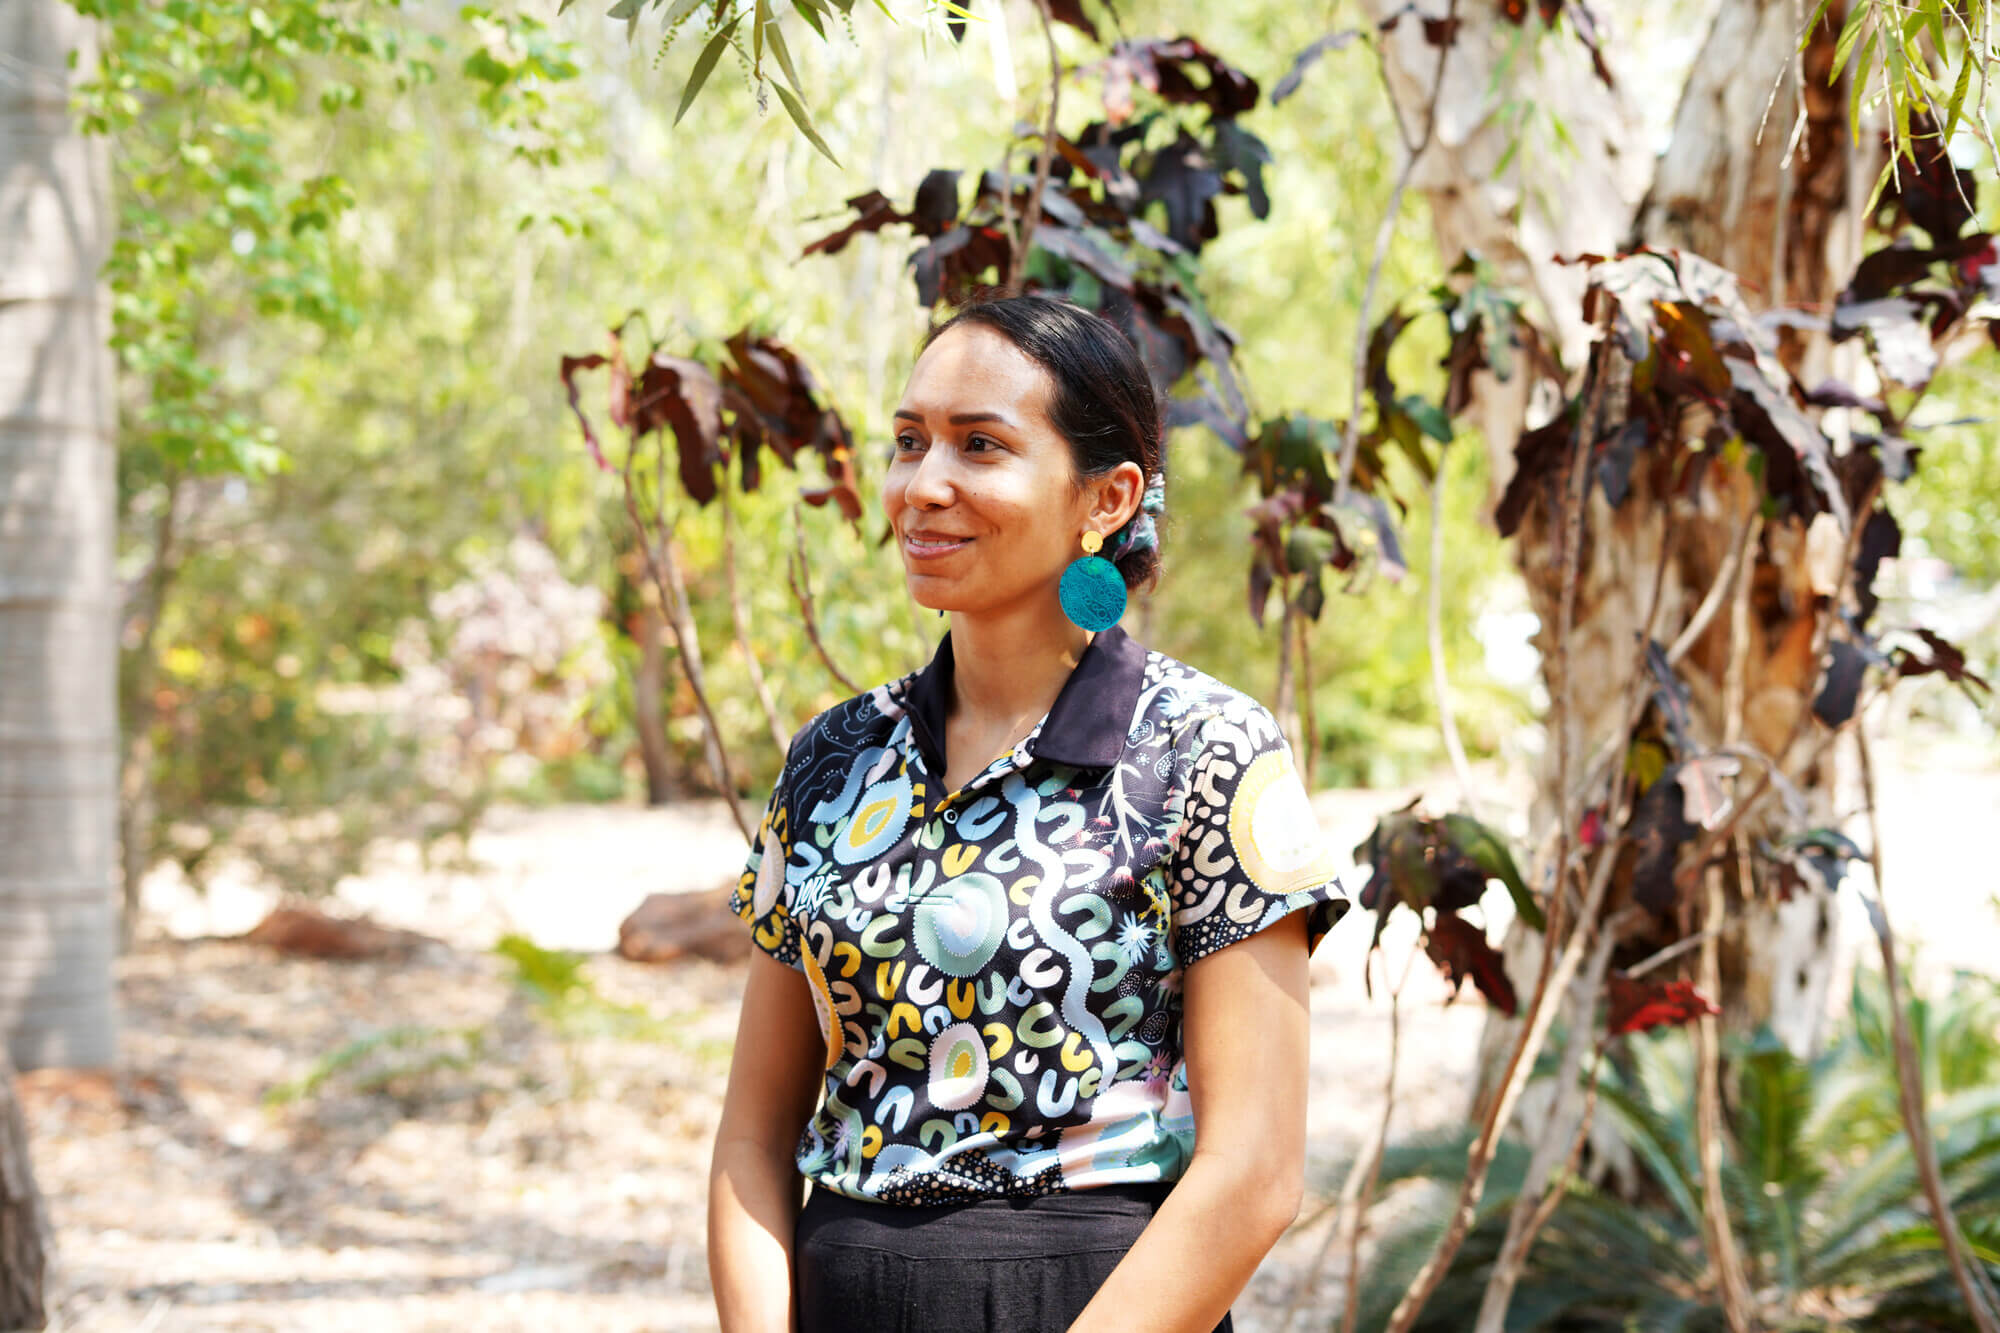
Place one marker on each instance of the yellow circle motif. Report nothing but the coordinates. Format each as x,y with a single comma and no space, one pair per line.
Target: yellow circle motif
1272,828
1092,543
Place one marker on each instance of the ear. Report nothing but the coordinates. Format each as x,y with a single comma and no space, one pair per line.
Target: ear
1114,498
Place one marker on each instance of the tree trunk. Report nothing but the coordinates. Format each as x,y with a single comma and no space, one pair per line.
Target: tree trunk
1719,190
649,696
58,649
24,1230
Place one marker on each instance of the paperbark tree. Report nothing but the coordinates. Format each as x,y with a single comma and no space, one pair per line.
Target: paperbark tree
58,597
1735,187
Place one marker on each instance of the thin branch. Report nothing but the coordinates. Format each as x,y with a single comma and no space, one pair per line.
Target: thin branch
1358,1201
1725,579
672,591
1308,719
1351,433
1909,1078
1549,981
1440,678
1543,1185
1732,1286
1479,1160
1671,952
740,617
796,575
1033,216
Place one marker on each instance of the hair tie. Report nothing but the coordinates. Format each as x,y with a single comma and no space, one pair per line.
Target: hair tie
1142,533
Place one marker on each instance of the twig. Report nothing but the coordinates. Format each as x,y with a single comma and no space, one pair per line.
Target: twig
1725,579
1822,635
1440,678
1032,218
1308,720
672,591
1351,433
1671,952
1543,1186
795,574
1909,1078
1358,1201
1720,1237
1479,1160
1548,980
741,619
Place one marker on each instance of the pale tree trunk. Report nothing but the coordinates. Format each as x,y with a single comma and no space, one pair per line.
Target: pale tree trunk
58,650
1721,192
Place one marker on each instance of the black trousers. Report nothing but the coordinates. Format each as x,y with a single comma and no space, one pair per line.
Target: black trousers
992,1266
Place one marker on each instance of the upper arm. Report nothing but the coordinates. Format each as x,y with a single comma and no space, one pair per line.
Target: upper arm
1246,1032
780,1058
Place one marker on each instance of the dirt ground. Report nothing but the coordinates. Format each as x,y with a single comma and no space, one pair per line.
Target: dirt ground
544,1180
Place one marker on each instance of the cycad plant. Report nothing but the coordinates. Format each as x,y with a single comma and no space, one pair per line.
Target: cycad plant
1819,1178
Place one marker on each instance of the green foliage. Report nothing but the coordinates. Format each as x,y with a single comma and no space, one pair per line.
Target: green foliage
223,229
1818,1177
558,985
388,1060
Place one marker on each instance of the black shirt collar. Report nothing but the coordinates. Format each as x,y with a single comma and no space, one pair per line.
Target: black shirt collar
1085,728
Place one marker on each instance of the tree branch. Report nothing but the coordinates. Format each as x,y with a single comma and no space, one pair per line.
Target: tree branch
740,618
795,574
1350,440
1909,1077
1440,678
1032,216
667,583
1549,981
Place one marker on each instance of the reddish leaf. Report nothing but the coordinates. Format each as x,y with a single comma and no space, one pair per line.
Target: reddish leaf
1943,658
1928,188
675,391
570,366
1071,12
1842,687
1637,1004
1538,458
1460,950
1166,68
1658,830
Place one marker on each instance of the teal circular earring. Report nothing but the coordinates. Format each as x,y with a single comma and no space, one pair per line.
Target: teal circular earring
1092,589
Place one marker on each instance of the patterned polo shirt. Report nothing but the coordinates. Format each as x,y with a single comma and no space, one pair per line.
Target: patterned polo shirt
997,970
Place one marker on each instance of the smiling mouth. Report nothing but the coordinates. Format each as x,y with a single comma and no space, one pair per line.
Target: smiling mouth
929,546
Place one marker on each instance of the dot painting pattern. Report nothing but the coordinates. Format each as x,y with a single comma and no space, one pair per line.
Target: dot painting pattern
997,971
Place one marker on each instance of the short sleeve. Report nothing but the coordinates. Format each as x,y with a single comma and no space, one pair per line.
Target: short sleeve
761,897
1250,851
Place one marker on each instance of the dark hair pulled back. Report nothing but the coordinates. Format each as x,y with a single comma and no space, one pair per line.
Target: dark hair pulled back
1102,400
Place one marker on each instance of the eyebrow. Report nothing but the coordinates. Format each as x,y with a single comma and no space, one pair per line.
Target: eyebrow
958,418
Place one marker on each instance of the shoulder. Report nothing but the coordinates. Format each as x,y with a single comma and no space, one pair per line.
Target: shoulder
853,726
1192,703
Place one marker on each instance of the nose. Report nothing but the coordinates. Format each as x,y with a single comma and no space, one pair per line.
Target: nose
929,486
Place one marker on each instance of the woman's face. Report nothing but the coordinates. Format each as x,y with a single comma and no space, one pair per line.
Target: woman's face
982,493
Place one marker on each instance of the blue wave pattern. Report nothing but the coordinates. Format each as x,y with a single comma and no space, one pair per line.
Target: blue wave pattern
997,970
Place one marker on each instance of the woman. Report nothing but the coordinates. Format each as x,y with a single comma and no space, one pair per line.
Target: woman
1026,918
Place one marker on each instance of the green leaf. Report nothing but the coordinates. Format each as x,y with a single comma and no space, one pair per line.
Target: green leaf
1484,848
784,55
1850,33
1956,107
1858,84
704,64
760,18
624,9
811,15
803,119
1430,418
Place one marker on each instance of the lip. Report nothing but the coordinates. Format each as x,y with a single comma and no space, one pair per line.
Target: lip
933,545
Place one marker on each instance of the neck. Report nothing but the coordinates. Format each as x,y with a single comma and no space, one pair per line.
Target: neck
1009,666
